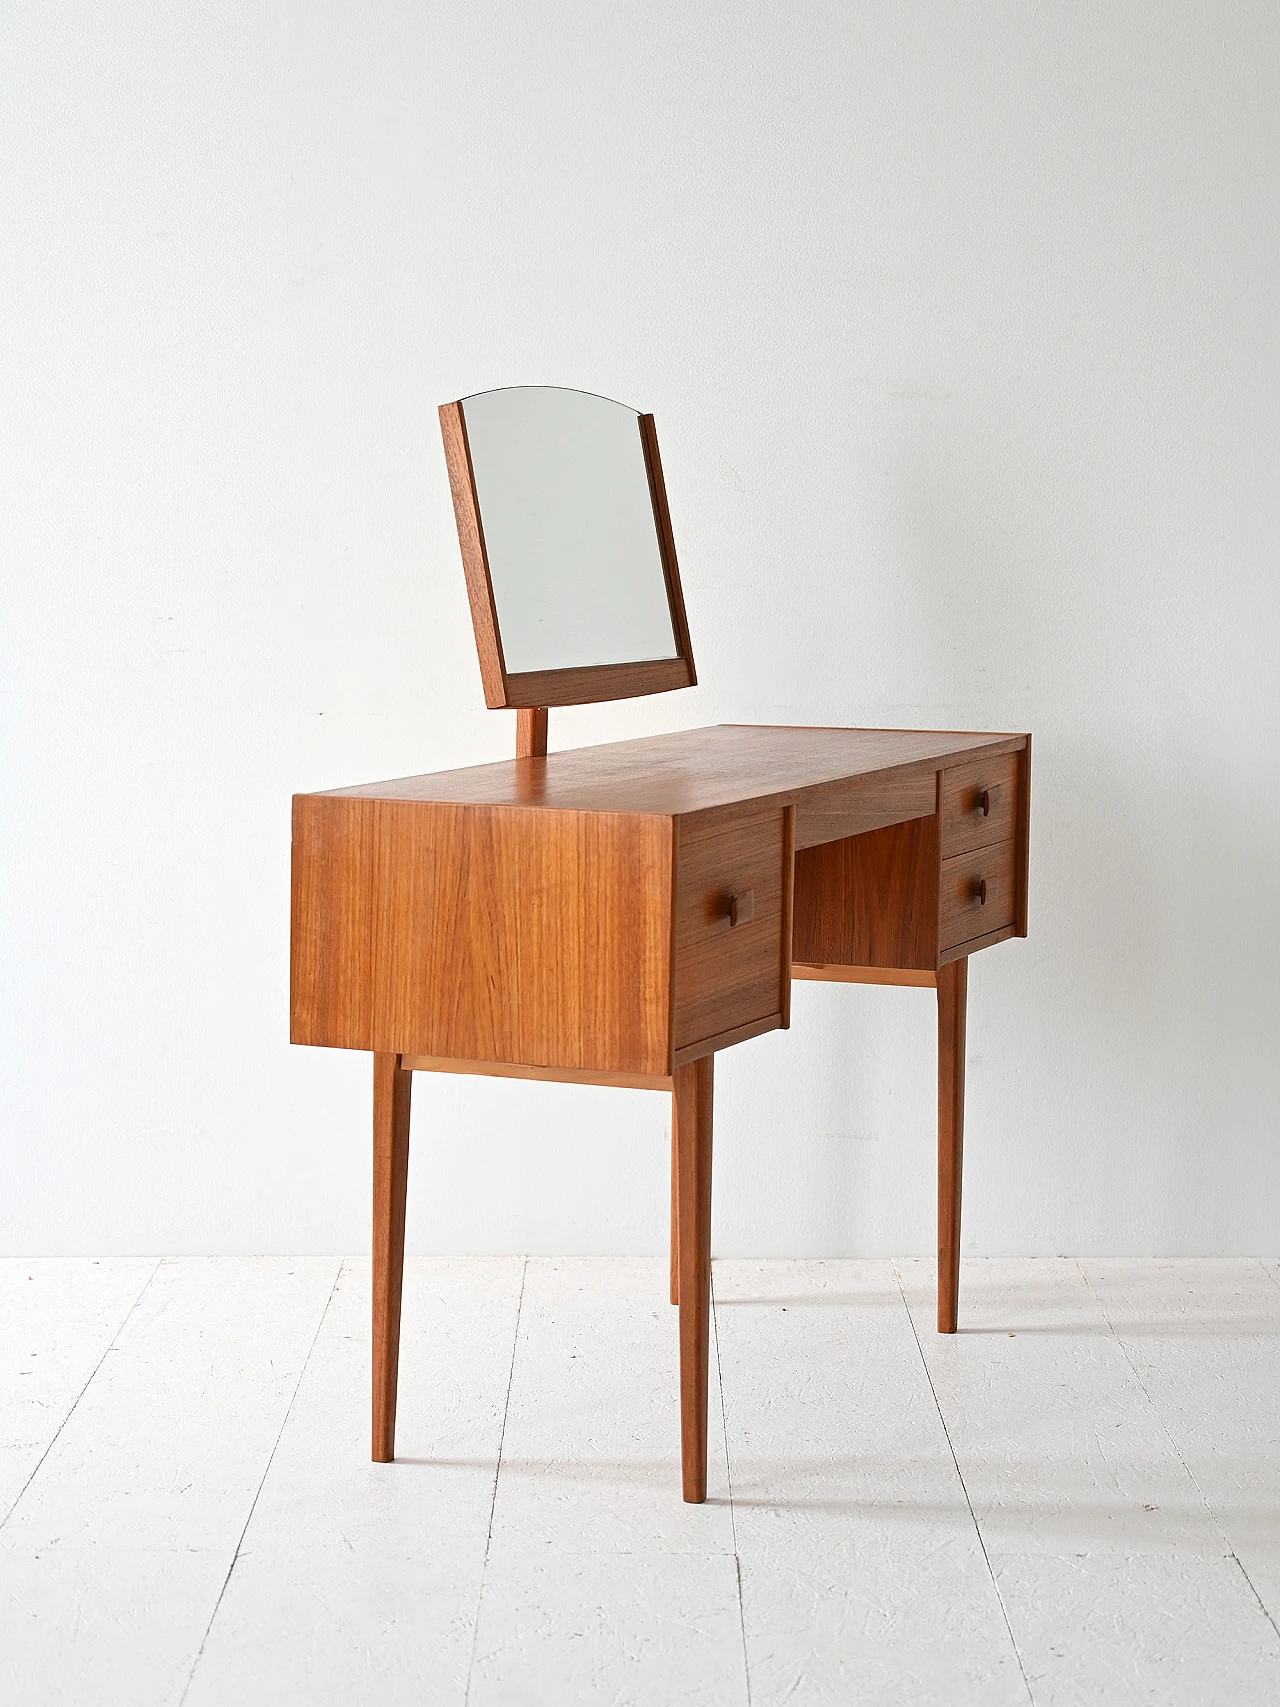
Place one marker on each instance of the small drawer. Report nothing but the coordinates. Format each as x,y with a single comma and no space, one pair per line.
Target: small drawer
977,894
979,803
729,974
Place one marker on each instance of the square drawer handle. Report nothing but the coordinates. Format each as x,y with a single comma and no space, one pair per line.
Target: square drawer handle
742,908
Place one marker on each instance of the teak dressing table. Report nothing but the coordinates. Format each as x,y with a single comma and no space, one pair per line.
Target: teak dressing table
615,915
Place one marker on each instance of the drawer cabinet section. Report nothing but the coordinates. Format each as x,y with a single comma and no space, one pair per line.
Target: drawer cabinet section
732,925
979,804
977,894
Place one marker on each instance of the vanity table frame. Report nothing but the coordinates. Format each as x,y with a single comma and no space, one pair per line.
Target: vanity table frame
617,915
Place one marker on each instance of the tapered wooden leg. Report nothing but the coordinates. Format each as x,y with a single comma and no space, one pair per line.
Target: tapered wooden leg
675,1213
391,1093
693,1222
953,996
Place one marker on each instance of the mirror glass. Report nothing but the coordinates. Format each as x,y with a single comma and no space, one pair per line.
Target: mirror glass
562,487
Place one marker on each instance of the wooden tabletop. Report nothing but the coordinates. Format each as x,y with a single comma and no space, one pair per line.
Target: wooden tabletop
695,770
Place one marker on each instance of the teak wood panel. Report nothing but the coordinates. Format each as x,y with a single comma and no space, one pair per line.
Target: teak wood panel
666,542
971,946
544,1075
592,683
964,824
966,878
474,933
729,976
531,732
853,806
692,1124
953,1000
475,564
392,1097
698,770
870,900
906,977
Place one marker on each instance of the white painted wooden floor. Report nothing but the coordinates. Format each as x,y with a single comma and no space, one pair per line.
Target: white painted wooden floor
1075,1500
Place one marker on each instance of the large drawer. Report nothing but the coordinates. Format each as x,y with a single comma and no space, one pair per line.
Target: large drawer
977,894
979,803
732,926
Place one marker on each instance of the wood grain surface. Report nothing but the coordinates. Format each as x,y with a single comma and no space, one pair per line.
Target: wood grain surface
693,1098
392,1093
870,900
531,732
857,804
904,976
728,975
966,879
544,1075
475,563
698,770
667,544
973,944
953,1001
572,912
537,938
590,684
964,824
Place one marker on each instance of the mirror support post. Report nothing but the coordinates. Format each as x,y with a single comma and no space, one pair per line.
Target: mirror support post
531,732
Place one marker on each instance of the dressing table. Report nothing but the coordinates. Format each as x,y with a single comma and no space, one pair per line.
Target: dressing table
615,915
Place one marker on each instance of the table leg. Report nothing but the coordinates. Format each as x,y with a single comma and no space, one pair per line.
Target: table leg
692,1098
675,1212
391,1094
953,996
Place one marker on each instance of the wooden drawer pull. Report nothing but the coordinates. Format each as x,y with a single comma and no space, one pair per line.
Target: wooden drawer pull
984,802
742,908
980,891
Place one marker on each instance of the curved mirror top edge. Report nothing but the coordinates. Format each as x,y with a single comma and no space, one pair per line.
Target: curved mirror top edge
569,390
563,489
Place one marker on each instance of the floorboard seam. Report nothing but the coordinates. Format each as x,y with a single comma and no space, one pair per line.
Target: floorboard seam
111,1345
1177,1451
728,1473
497,1471
977,1528
262,1480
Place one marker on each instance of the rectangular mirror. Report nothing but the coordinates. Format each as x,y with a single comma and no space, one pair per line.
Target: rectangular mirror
566,542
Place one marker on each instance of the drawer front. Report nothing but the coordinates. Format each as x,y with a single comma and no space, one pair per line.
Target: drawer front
977,894
979,803
729,974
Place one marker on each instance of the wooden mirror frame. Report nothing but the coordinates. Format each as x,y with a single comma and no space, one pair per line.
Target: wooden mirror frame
580,685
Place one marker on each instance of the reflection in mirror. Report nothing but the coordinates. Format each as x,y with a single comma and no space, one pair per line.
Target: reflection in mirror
562,487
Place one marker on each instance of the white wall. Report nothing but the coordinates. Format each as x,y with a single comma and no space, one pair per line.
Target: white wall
960,324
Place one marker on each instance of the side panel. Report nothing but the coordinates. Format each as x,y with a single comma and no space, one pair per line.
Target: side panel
482,933
870,900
